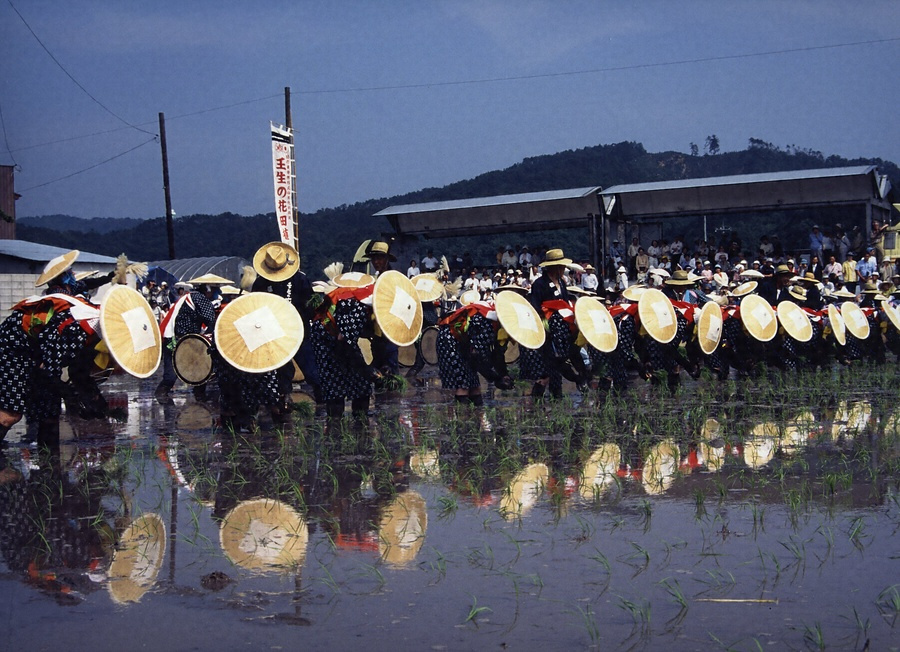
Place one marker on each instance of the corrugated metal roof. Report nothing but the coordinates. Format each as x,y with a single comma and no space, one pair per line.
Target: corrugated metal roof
185,269
479,202
45,253
822,173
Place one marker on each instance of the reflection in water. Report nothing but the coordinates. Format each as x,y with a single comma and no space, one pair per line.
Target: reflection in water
523,490
759,445
264,535
402,528
600,471
660,466
137,559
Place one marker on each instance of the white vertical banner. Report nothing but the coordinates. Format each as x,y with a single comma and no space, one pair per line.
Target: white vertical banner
283,171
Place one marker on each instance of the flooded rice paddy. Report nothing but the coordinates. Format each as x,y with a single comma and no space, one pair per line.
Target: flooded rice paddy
758,513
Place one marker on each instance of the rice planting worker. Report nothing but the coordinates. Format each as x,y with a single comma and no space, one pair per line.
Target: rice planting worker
612,368
430,291
663,361
873,345
470,342
64,281
384,352
191,313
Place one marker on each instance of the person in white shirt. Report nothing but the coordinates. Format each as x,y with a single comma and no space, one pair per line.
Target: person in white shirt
524,258
509,258
589,280
413,269
430,263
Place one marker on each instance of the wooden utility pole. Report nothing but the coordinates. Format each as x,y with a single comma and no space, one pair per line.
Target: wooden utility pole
289,123
170,228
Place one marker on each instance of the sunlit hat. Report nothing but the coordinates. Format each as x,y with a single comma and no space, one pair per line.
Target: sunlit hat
752,273
210,279
600,471
855,320
748,287
519,318
428,287
523,490
659,271
137,559
808,277
184,285
660,467
657,315
709,327
56,267
276,261
836,320
379,248
633,292
229,290
870,288
892,313
469,296
131,332
798,292
596,324
258,332
397,308
758,318
401,530
680,277
795,321
555,257
783,269
80,276
264,534
353,280
513,287
843,293
759,446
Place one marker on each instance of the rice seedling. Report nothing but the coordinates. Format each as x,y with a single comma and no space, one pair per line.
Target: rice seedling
813,636
589,622
639,612
857,533
448,506
888,603
475,611
674,590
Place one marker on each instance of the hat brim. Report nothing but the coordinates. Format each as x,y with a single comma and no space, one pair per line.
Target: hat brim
131,332
210,279
855,320
353,280
139,554
519,318
283,274
744,289
758,318
428,287
892,313
278,533
709,327
836,320
258,332
794,321
397,308
657,315
56,267
562,262
596,324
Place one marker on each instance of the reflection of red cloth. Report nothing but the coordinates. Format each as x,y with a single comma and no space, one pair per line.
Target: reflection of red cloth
366,542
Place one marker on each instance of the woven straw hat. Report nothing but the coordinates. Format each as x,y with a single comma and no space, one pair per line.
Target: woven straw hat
80,276
752,273
519,318
469,296
798,292
353,280
229,289
837,324
843,293
56,267
130,330
513,287
855,320
633,293
596,324
759,447
276,261
870,288
657,315
709,327
892,314
680,277
258,332
397,308
600,471
795,321
660,466
523,490
402,528
758,318
137,559
378,248
264,534
555,257
749,287
428,287
210,279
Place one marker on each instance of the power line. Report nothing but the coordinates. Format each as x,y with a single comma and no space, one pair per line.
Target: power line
69,75
96,165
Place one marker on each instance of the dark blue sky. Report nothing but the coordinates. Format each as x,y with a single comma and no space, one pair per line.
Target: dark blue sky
461,88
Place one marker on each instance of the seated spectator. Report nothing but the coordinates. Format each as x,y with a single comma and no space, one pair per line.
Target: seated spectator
430,263
413,269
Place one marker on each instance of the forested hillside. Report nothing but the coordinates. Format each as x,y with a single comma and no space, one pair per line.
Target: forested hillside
334,233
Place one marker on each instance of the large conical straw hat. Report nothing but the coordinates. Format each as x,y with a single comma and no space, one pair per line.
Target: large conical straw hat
258,332
401,531
469,297
748,287
752,273
709,327
892,313
130,330
795,321
523,490
759,446
397,308
837,324
353,280
138,557
596,324
758,318
264,534
633,292
519,318
210,279
660,466
657,315
600,471
428,286
855,320
56,267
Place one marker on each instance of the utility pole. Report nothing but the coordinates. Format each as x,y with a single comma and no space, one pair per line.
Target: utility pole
288,122
170,228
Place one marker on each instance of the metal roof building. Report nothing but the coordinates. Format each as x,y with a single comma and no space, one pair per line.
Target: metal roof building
184,269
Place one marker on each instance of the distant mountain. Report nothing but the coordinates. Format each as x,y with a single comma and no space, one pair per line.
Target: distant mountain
334,233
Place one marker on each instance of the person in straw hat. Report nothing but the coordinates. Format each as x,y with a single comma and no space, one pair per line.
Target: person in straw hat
385,354
558,356
663,361
276,269
60,279
40,337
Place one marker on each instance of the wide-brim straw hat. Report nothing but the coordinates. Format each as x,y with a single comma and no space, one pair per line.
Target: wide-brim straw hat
401,530
892,313
353,280
836,320
131,332
855,320
428,287
580,291
600,471
379,248
519,318
633,292
798,293
748,287
555,257
795,321
264,535
752,273
758,318
80,276
870,288
397,308
759,447
659,271
258,332
513,288
783,269
596,324
210,279
229,290
469,296
843,293
681,277
56,267
657,315
709,327
523,490
137,559
276,261
660,467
